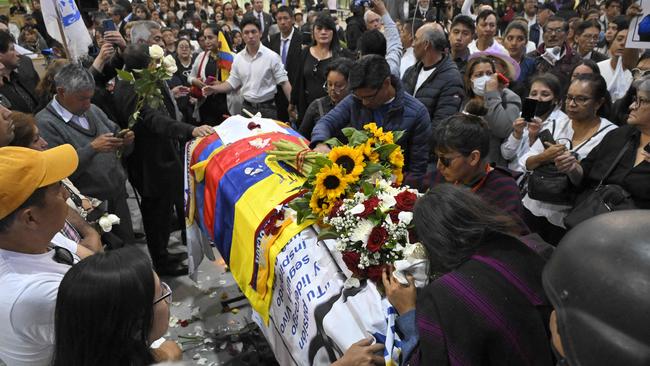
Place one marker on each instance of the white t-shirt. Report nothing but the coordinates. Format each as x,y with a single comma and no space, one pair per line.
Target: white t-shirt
29,284
496,46
422,77
617,82
555,213
408,60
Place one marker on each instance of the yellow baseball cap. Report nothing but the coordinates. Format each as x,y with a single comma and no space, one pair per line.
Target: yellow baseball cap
23,171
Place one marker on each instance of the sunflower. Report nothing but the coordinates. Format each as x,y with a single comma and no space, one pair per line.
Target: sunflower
396,158
368,150
331,181
350,159
386,138
319,205
370,127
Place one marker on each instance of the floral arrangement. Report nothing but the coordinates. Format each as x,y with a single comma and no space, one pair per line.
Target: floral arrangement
373,228
354,192
370,154
147,84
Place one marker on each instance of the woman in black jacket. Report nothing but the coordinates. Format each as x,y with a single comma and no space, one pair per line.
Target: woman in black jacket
632,172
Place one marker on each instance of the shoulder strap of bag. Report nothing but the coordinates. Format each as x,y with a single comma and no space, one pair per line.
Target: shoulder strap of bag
198,76
321,112
592,136
616,161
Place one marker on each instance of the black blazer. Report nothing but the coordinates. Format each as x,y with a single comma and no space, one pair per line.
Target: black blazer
26,77
155,166
268,21
293,53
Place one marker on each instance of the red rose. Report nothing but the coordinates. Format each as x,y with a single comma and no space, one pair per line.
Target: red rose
334,212
370,205
394,215
351,260
412,237
374,273
405,201
377,239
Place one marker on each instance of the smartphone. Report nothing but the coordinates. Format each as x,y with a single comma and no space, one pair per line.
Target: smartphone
546,136
503,79
647,148
108,25
122,133
528,109
209,80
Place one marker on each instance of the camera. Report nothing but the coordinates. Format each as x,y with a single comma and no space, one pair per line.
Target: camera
362,3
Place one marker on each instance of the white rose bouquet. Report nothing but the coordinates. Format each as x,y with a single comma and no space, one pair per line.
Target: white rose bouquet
147,84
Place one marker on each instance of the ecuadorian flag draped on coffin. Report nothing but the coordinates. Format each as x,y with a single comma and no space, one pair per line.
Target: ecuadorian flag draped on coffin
237,195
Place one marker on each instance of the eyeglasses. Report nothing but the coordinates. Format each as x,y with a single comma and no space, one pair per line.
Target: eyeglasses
336,90
367,98
446,161
579,99
638,73
167,294
640,101
63,256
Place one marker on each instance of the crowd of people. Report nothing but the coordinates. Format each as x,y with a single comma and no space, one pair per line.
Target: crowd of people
514,115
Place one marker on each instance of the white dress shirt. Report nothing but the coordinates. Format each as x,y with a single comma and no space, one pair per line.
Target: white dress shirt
257,75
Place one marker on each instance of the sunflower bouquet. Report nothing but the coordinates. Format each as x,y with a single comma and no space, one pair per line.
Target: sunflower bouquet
370,154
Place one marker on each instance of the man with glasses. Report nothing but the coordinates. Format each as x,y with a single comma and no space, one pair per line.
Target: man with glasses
587,34
378,97
33,256
555,55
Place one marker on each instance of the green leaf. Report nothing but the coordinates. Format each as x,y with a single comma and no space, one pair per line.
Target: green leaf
397,135
357,138
327,234
385,150
348,131
333,142
125,75
368,189
372,168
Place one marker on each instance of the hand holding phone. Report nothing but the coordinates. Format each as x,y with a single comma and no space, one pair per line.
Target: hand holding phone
108,25
646,148
528,109
546,138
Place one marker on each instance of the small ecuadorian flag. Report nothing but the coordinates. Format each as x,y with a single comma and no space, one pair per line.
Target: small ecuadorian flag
226,56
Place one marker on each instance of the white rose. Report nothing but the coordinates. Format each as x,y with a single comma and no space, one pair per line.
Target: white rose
170,65
156,52
405,217
114,220
387,202
357,209
105,223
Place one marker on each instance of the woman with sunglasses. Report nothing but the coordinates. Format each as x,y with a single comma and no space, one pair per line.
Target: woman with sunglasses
110,309
461,143
307,84
336,87
587,104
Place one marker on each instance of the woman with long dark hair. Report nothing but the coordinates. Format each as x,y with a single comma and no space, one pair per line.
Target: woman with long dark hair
110,309
208,70
485,304
229,16
308,83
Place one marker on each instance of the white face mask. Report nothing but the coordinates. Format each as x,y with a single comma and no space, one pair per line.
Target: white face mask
478,85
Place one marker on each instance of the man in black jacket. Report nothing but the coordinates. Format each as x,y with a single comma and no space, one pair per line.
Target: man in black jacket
155,168
287,44
434,80
21,78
